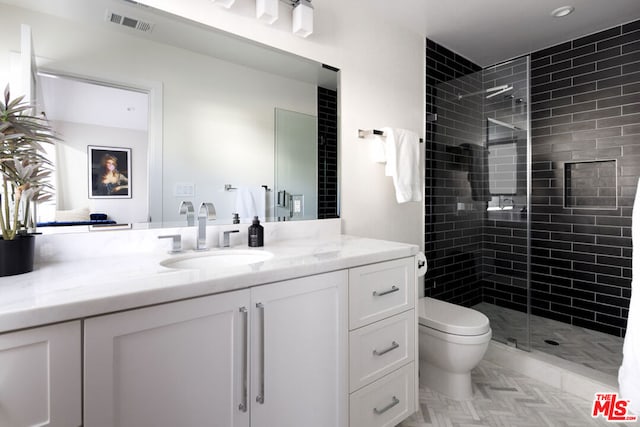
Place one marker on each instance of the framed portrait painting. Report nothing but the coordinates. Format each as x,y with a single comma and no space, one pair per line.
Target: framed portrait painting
109,173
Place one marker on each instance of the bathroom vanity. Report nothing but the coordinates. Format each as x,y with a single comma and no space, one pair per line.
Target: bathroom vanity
322,333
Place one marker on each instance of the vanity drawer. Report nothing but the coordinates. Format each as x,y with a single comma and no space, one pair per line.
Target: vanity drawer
386,402
381,290
379,348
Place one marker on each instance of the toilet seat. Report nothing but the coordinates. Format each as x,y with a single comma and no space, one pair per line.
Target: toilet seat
450,318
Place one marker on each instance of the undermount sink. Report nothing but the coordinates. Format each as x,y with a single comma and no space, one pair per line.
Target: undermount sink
217,259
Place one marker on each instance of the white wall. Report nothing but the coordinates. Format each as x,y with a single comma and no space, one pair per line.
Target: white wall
381,84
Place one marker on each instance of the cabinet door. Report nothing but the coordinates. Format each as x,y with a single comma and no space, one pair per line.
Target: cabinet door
40,377
178,364
299,352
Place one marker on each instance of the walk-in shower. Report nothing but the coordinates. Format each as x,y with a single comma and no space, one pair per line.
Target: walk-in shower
517,217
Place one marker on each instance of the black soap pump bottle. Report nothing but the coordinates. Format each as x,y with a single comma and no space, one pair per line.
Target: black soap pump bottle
256,234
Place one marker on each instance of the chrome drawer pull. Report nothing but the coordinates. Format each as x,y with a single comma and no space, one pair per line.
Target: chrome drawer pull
386,408
394,345
260,396
243,405
393,289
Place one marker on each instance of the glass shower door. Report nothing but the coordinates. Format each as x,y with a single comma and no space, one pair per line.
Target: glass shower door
506,290
481,197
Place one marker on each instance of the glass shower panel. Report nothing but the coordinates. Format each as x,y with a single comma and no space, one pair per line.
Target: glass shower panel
506,227
480,196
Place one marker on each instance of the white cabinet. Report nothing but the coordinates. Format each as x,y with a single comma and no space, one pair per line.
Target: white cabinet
178,364
299,353
270,355
385,402
383,343
40,377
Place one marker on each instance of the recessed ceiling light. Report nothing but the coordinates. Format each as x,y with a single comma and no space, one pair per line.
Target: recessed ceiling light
562,11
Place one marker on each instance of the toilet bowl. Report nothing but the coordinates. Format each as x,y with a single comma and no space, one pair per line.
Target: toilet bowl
452,341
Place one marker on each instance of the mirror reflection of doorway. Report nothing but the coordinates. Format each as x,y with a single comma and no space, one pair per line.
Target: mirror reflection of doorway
87,113
296,192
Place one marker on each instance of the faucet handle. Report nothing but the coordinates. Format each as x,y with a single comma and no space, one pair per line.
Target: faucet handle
176,246
207,210
226,241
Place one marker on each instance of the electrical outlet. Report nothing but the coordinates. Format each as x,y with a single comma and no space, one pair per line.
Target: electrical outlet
297,205
184,189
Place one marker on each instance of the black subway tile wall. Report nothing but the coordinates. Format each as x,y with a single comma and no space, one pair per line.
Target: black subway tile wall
585,127
327,153
585,166
453,227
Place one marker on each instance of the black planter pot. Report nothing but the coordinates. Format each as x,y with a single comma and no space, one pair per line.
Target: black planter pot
16,256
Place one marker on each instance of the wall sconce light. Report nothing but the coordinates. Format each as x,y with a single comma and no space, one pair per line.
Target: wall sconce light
302,18
267,10
224,3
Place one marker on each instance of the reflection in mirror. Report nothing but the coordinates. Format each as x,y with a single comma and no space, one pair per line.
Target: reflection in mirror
211,104
296,160
87,114
507,160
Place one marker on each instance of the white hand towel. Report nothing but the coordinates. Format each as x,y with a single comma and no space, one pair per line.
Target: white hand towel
402,151
250,202
378,146
629,373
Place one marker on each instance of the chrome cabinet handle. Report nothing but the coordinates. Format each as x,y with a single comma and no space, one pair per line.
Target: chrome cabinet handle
245,355
260,396
386,408
393,289
394,345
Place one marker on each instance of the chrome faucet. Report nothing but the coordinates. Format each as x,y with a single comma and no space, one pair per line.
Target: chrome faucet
226,241
176,245
186,207
502,202
207,212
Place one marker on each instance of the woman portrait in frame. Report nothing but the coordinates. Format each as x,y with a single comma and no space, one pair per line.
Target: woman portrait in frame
110,172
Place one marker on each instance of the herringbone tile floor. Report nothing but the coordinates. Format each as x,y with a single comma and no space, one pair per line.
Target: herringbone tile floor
593,349
504,398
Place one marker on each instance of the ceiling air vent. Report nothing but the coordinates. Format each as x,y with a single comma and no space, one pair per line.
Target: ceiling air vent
127,21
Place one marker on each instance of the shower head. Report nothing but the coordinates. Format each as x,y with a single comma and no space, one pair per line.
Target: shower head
492,91
497,90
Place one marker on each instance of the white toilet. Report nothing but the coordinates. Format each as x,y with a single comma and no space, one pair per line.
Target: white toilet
452,341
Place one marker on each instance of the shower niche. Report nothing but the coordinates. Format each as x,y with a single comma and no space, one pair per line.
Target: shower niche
591,184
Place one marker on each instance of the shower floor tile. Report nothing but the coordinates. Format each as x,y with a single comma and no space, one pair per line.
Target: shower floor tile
596,350
505,398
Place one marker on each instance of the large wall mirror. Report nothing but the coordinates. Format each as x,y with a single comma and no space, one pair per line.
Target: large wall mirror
192,114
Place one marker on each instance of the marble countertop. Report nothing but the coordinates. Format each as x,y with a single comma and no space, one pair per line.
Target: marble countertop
61,291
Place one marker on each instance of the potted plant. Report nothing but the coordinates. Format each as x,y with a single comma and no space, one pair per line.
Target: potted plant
24,171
